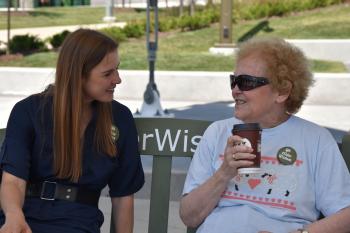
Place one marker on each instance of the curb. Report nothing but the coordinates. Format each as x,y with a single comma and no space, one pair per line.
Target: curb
329,88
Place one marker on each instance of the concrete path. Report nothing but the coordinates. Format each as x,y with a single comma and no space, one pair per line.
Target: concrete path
204,95
141,216
45,32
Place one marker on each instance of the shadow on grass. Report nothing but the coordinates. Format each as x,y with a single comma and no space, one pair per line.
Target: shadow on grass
261,26
45,14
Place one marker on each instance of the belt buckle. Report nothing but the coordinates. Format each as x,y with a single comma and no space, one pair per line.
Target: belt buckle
43,190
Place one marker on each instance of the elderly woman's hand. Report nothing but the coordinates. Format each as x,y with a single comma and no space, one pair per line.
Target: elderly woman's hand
236,156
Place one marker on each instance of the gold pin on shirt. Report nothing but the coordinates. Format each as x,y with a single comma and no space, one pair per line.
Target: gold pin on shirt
115,133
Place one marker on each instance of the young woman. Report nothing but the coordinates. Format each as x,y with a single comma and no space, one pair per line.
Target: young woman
64,145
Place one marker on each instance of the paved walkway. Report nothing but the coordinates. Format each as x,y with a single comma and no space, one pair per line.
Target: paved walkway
141,216
45,32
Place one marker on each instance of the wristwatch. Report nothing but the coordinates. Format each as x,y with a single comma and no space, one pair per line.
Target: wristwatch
302,231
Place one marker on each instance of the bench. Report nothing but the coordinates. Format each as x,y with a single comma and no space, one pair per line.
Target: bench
165,138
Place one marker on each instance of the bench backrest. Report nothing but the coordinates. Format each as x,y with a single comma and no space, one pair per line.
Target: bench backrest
165,138
2,135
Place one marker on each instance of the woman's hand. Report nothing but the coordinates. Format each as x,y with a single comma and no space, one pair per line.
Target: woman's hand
236,156
15,223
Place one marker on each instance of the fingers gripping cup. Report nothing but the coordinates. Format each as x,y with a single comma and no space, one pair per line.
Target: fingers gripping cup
251,137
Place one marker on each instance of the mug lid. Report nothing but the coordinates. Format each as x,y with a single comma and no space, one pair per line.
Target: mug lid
247,126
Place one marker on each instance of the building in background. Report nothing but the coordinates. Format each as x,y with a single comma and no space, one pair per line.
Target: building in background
25,4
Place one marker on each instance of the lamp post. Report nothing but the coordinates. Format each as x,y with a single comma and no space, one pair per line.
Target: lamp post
109,11
151,106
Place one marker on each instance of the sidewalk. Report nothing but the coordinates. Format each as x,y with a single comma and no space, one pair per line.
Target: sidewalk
203,94
141,216
45,32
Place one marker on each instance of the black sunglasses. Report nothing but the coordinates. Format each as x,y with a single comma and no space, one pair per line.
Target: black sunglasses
247,82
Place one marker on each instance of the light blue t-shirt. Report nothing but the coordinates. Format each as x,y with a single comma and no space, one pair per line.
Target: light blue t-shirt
284,197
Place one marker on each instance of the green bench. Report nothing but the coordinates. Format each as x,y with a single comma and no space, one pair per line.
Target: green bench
165,138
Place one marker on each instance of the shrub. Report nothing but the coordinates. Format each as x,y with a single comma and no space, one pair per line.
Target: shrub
26,44
255,9
213,14
184,22
195,22
166,24
134,29
57,39
143,24
116,33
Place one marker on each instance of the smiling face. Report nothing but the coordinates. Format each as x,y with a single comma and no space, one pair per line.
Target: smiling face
263,104
103,79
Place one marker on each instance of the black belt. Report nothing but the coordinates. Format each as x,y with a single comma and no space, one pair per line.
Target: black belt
51,191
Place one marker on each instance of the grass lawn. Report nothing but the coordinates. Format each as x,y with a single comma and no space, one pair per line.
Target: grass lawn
325,23
56,16
190,50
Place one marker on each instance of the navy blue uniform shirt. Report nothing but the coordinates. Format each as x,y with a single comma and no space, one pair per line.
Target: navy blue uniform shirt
27,153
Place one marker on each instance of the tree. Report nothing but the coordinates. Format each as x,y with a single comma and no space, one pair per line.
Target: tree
192,7
8,26
181,8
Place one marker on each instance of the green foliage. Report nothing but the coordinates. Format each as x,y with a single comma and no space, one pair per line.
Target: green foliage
134,29
57,39
189,50
167,24
213,14
255,9
184,21
198,21
26,44
116,33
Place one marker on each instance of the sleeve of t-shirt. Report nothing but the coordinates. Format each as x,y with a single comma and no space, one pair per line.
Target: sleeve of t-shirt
128,178
332,178
201,168
16,148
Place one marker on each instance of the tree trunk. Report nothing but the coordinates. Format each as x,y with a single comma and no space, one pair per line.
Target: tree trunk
192,7
181,8
8,26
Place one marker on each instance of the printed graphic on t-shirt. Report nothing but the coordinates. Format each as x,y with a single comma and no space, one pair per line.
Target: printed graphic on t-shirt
275,187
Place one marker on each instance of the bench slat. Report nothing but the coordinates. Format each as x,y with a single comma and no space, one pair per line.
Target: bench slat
2,135
345,149
160,193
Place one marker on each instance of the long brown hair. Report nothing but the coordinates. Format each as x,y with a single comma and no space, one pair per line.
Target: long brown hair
81,51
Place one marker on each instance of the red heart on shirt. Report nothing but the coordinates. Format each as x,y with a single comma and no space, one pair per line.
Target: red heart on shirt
253,183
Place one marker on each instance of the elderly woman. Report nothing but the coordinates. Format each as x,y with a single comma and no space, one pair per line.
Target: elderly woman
270,83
